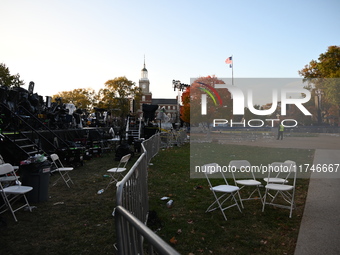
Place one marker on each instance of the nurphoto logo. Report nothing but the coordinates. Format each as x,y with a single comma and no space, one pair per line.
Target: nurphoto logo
280,99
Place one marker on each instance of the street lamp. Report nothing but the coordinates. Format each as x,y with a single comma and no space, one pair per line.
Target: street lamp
178,85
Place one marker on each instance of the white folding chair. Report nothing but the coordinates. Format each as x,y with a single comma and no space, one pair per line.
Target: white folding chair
284,188
8,178
12,193
222,193
244,169
278,177
117,172
63,171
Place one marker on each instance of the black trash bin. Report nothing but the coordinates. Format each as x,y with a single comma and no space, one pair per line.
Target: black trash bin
37,175
138,146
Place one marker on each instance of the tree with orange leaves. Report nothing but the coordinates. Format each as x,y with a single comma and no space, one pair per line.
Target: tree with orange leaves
185,108
219,103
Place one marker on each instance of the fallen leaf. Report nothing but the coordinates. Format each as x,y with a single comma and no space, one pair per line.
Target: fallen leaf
173,240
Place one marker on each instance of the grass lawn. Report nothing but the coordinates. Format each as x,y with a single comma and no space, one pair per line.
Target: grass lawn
77,220
192,231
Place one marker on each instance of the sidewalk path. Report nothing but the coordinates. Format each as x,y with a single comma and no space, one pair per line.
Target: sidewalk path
320,226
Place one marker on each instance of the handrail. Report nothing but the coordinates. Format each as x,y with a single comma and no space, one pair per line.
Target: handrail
144,233
27,124
46,127
127,128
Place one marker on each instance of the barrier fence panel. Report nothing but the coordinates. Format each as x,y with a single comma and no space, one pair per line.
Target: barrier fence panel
182,136
137,238
131,212
152,146
173,138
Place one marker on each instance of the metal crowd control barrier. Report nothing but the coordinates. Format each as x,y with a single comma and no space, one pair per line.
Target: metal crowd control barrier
131,213
182,136
173,138
136,238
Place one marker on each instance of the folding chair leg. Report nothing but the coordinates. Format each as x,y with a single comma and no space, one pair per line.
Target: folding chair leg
292,204
219,204
113,180
13,200
239,196
108,185
217,199
66,180
6,204
250,196
258,190
11,209
237,202
285,197
259,193
264,200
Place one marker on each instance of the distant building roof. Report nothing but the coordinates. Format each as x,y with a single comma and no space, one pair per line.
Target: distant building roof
164,101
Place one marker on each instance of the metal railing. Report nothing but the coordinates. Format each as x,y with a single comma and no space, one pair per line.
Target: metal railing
173,137
136,238
131,212
151,146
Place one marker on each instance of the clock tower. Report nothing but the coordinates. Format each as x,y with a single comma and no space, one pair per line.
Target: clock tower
144,82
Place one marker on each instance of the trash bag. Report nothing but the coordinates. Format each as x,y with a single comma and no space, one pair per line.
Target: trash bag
123,150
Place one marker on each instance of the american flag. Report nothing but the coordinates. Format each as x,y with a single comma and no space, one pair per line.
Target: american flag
229,60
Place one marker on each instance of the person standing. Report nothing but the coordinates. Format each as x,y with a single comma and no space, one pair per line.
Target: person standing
280,133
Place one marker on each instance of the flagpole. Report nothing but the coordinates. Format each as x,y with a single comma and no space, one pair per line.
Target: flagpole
232,71
230,62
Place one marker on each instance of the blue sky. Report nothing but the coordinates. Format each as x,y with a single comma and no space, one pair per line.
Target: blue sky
64,45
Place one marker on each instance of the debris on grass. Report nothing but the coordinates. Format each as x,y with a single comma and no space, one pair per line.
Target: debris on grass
173,240
59,203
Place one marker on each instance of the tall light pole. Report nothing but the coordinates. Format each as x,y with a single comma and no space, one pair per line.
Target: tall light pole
176,84
319,94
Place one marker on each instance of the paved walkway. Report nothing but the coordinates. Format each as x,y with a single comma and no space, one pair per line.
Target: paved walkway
320,226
